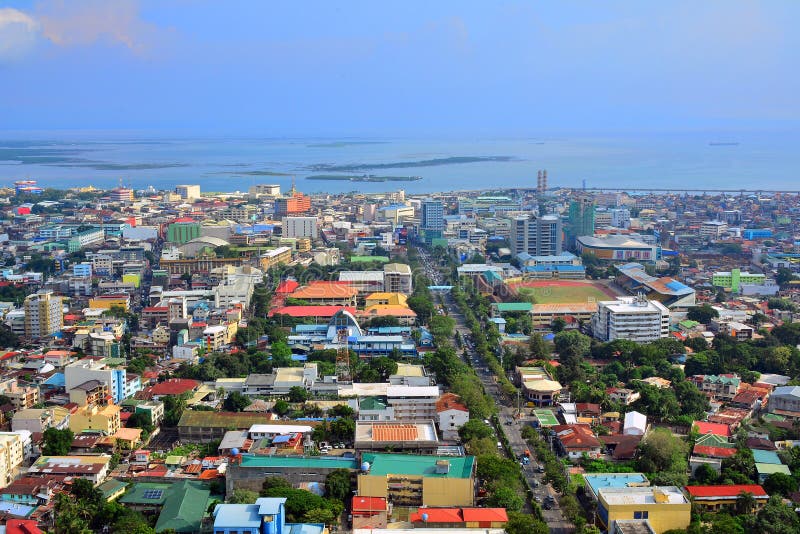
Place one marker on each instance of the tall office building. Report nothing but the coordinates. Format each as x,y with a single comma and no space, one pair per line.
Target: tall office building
581,219
633,318
188,192
300,227
44,314
537,236
432,220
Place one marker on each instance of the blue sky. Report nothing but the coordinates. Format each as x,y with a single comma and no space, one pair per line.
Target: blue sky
385,68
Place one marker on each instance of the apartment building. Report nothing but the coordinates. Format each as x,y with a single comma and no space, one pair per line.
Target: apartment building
83,371
633,318
300,227
21,397
188,192
44,314
413,403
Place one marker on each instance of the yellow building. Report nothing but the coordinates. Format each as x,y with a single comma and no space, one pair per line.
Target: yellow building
132,278
105,418
405,316
412,480
106,302
666,507
385,299
276,256
12,454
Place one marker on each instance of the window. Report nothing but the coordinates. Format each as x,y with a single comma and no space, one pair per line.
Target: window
640,515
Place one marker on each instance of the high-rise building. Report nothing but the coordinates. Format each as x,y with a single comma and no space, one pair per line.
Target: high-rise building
300,227
265,190
44,314
537,236
581,219
121,194
432,220
295,204
188,192
633,318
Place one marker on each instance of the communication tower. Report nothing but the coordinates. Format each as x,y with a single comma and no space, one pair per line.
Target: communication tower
343,356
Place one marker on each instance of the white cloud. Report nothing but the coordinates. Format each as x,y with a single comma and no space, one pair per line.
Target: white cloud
18,34
84,22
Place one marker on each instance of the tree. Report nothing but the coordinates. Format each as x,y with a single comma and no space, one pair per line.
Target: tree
776,518
474,429
422,306
505,497
705,474
558,324
236,402
572,342
702,314
281,407
661,451
697,344
781,484
298,394
520,523
243,496
538,347
784,276
57,442
338,485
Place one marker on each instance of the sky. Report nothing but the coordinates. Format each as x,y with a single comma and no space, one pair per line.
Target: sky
392,68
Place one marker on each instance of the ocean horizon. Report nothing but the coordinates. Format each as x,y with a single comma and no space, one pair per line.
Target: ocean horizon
716,160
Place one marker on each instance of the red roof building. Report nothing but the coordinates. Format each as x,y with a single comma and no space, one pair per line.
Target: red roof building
576,440
723,496
22,526
704,427
321,312
369,512
286,287
460,517
713,452
173,386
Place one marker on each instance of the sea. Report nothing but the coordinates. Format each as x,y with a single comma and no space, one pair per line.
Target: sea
750,160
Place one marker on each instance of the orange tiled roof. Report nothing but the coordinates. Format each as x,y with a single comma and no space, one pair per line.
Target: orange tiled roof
398,432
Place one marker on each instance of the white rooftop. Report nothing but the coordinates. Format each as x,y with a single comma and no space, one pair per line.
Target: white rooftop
631,305
646,495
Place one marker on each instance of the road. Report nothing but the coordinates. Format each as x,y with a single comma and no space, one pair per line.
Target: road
554,518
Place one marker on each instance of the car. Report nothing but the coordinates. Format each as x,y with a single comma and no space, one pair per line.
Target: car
547,506
509,422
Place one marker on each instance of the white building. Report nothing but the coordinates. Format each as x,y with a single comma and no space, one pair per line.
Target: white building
397,278
300,227
633,318
713,229
635,424
188,192
214,337
265,190
85,370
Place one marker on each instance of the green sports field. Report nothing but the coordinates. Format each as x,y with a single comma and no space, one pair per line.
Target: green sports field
562,292
546,417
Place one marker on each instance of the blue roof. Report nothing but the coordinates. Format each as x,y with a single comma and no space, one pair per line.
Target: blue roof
766,457
281,439
614,480
237,516
56,380
17,509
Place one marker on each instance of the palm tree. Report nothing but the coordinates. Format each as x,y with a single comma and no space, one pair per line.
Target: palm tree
745,503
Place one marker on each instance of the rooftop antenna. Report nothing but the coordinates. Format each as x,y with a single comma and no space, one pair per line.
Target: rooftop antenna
293,188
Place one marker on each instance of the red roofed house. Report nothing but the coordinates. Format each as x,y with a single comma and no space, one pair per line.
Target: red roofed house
704,427
369,512
577,440
171,387
286,288
459,518
316,312
22,526
451,414
714,498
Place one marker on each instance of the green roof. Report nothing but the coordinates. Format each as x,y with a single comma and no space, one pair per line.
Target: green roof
769,469
367,259
110,487
505,307
226,420
773,417
713,440
174,460
546,417
688,323
415,465
184,508
372,403
135,495
313,462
